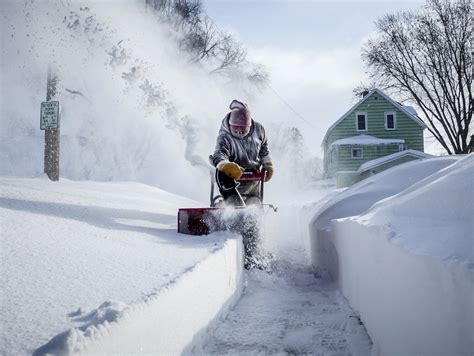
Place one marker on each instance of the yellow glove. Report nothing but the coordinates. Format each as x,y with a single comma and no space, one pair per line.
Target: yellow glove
231,169
269,168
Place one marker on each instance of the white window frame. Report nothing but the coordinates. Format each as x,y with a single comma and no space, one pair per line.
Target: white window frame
357,120
361,152
394,120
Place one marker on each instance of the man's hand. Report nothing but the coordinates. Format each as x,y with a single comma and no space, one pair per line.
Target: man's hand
231,169
269,168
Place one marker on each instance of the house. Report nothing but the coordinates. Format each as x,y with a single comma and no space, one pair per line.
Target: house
375,134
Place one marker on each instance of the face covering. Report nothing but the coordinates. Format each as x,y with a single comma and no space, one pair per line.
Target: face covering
239,131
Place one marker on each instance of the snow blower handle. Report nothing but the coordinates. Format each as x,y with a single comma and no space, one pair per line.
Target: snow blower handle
252,176
256,176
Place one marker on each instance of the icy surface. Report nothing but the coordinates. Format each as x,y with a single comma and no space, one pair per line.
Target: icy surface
290,312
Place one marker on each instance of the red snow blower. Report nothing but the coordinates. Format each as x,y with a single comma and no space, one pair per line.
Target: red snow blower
202,221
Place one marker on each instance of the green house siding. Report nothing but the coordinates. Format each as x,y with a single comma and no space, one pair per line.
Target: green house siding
345,162
339,158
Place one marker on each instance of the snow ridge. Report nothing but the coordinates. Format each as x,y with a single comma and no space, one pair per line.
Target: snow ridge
400,246
215,283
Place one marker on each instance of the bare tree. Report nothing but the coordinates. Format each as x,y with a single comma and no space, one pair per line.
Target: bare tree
205,42
189,10
229,54
363,89
427,57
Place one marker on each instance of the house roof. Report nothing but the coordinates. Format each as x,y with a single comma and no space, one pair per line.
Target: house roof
394,156
408,110
365,140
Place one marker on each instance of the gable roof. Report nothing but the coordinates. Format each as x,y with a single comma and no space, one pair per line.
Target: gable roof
394,156
409,112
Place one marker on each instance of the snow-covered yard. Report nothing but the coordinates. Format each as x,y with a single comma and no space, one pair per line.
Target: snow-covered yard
100,264
401,246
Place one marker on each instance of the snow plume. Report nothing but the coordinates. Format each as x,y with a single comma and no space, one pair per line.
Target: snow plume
132,106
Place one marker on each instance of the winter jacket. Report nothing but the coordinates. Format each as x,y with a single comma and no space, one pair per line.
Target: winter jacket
249,152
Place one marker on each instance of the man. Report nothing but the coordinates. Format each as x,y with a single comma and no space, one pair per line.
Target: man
241,147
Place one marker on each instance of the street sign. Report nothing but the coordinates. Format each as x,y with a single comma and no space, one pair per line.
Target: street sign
49,115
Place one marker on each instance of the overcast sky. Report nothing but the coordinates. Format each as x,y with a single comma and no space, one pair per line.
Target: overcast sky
311,49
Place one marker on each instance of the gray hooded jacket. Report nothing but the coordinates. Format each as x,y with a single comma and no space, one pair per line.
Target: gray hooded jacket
249,152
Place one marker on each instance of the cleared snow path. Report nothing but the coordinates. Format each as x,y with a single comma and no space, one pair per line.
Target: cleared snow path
290,312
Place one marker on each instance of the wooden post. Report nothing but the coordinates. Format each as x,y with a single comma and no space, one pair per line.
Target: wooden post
51,136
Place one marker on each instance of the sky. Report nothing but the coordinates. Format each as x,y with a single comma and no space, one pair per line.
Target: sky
311,50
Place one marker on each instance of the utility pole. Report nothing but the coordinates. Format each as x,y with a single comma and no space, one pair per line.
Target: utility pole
50,123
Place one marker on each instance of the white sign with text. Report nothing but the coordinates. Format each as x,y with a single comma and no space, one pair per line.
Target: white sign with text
49,115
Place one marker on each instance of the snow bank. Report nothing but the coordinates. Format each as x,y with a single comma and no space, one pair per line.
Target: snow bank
82,260
170,321
400,245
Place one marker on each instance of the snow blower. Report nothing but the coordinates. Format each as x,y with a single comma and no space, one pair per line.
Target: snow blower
219,216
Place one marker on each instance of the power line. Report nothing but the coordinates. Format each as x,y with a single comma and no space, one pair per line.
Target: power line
289,106
267,84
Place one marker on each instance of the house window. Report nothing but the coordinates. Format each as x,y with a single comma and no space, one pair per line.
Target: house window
390,121
361,121
357,152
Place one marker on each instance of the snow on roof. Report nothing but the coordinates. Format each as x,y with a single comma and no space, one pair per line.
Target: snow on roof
364,140
377,162
411,113
411,109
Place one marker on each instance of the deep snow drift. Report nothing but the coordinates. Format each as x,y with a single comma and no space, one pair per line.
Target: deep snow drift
85,255
401,247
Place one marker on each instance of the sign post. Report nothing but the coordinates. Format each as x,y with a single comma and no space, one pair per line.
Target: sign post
50,123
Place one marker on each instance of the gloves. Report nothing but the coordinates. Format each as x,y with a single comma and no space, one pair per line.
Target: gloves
231,169
269,168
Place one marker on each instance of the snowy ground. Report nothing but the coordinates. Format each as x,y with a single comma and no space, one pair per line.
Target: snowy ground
98,267
290,312
78,253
